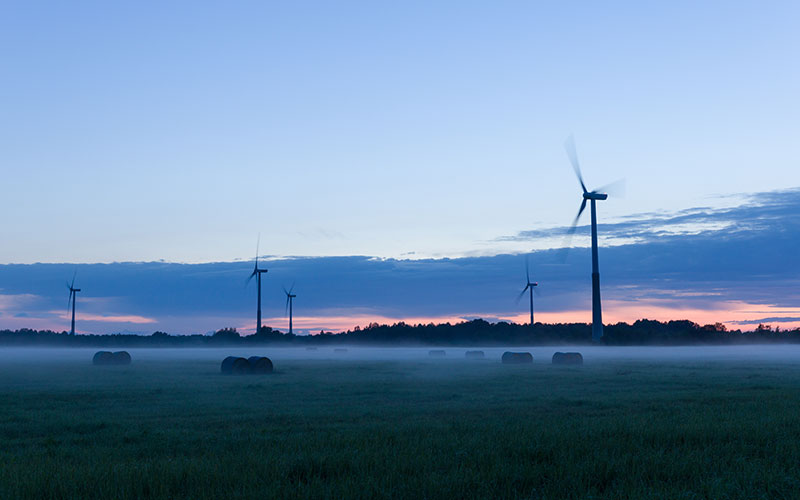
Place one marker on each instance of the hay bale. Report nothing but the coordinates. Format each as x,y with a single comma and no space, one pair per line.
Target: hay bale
340,349
260,364
103,358
121,358
437,353
474,355
233,365
517,357
567,358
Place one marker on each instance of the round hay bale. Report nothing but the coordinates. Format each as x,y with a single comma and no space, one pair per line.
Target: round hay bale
121,358
517,357
260,364
567,358
341,349
474,355
233,365
103,358
437,353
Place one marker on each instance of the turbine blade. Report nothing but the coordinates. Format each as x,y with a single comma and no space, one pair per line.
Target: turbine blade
572,153
291,288
285,290
258,243
527,270
567,243
616,188
577,217
247,281
73,279
522,293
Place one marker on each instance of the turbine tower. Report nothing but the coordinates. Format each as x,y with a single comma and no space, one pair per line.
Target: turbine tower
73,294
257,273
593,197
529,285
289,299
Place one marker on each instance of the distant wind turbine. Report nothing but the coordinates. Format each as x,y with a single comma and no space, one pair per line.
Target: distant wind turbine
289,299
592,196
528,288
73,295
257,273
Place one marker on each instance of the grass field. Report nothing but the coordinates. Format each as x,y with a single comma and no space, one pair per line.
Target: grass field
173,427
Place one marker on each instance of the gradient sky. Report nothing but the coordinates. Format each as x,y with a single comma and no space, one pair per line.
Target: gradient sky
179,131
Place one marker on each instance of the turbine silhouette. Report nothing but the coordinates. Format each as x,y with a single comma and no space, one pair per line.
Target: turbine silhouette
592,197
73,294
257,273
529,286
289,300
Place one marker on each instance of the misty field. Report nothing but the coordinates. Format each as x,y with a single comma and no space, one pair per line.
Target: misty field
650,424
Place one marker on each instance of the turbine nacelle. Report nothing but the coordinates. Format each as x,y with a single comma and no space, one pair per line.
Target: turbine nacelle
530,285
592,195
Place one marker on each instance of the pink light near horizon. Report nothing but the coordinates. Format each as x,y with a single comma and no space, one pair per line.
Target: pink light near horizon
731,314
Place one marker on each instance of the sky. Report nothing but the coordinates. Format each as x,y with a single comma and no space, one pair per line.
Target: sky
353,134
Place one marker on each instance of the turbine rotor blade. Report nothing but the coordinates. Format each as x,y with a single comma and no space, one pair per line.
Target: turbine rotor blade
572,153
577,217
616,188
291,288
522,293
527,270
73,278
567,244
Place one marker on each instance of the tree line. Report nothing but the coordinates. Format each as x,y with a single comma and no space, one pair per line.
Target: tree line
475,332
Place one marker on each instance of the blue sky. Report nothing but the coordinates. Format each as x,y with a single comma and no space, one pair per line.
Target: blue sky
179,131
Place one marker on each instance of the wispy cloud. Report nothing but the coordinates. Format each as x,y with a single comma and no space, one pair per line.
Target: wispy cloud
734,264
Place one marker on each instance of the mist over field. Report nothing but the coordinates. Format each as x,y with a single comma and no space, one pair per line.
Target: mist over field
593,355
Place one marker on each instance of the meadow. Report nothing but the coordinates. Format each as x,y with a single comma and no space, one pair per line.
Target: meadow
649,424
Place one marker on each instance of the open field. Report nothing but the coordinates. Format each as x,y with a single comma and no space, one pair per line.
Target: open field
631,423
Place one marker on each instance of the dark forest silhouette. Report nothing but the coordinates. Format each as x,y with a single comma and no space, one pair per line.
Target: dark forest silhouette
475,332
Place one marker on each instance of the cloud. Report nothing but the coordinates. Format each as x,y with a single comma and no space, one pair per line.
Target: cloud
773,319
711,264
109,318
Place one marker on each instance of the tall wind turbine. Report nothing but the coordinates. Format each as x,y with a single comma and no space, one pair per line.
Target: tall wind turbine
289,299
257,273
73,294
592,197
528,288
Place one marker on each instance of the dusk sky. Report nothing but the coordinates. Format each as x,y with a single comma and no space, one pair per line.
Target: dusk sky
398,161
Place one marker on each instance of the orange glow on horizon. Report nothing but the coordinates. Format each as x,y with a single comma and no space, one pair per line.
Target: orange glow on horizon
730,314
121,318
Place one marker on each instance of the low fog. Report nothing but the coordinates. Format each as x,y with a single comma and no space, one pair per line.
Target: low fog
591,354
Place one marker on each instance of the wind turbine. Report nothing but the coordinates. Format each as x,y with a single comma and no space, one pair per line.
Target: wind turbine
73,294
593,197
257,273
289,298
528,288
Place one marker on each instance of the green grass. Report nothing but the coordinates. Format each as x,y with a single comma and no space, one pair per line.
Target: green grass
361,429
